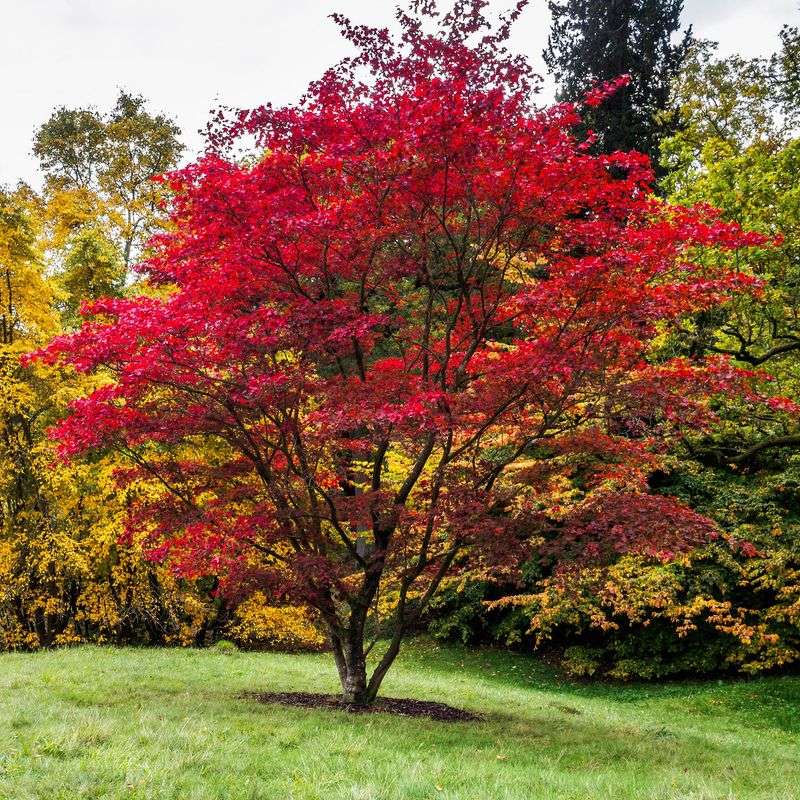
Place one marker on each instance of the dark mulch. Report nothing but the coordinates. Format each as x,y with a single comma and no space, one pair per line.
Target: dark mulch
385,705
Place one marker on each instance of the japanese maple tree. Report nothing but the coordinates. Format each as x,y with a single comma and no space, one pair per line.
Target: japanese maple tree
418,281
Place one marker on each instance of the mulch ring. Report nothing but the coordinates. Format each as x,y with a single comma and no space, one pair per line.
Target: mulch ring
440,712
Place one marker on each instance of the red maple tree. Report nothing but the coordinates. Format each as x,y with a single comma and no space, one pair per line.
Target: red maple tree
419,280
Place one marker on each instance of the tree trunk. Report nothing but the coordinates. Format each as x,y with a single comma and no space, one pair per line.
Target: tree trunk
351,663
354,683
347,639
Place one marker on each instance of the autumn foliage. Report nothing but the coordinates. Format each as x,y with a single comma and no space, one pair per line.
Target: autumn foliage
367,332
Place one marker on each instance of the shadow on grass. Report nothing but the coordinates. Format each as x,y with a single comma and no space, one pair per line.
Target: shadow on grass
769,701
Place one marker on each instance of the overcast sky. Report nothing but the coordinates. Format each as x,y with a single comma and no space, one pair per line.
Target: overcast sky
188,55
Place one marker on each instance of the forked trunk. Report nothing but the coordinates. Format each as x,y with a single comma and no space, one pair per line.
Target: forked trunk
351,662
357,689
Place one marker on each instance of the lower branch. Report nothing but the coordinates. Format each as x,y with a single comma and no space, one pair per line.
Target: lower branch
406,619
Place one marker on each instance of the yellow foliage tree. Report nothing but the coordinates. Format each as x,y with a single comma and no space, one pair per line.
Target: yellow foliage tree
68,572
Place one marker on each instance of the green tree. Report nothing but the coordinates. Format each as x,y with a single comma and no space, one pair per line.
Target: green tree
735,152
92,269
595,41
733,604
114,156
785,72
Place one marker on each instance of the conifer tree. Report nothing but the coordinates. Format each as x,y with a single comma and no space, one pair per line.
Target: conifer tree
595,41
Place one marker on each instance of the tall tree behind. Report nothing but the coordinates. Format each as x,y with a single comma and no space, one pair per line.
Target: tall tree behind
594,41
785,74
106,162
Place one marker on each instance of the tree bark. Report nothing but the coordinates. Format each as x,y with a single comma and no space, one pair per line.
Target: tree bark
354,685
351,663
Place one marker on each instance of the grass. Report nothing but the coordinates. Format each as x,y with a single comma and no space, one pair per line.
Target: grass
110,723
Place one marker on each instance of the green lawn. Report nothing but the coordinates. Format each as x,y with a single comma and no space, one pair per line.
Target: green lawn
155,724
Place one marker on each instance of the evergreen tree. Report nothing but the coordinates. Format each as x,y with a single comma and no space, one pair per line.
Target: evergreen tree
594,41
785,74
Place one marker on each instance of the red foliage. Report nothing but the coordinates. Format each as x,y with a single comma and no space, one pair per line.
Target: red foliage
418,262
618,522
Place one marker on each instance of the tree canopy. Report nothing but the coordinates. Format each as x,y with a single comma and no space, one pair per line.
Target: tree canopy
367,333
111,158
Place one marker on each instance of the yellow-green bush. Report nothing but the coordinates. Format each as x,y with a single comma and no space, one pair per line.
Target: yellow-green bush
256,623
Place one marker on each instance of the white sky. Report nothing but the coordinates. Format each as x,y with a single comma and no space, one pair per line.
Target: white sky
188,55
